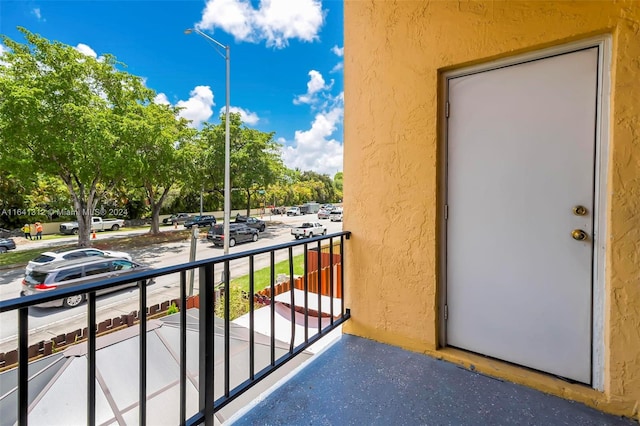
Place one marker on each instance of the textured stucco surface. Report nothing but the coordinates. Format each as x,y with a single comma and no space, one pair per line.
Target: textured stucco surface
394,55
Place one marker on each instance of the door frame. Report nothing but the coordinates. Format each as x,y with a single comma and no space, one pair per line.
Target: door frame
603,43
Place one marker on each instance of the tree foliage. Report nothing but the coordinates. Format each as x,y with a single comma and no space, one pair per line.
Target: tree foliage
255,162
62,114
78,132
163,153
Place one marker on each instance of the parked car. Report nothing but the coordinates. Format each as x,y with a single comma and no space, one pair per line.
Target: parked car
97,224
324,213
252,222
48,257
308,229
74,272
336,215
176,218
7,244
238,233
201,221
294,211
278,210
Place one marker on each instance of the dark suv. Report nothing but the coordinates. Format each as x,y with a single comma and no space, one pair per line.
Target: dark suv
201,221
238,233
7,244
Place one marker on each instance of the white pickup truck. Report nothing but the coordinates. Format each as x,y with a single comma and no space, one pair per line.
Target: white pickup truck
308,229
294,211
97,224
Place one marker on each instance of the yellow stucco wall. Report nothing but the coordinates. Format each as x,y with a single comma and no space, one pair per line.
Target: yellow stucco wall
394,54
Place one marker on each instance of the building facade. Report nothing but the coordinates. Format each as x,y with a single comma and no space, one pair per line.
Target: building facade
492,184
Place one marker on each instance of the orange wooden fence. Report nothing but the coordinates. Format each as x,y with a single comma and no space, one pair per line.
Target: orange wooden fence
316,282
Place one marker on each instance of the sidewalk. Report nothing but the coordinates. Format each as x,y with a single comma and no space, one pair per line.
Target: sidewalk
22,244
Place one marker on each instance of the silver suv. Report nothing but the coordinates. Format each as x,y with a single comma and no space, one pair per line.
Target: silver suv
75,272
73,253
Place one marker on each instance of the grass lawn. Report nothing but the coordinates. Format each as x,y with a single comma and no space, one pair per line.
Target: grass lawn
20,258
262,277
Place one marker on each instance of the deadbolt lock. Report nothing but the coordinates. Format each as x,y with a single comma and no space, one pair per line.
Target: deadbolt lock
580,210
579,234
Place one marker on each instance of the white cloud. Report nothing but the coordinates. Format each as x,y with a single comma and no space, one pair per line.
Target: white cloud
247,116
338,67
38,14
274,21
316,82
314,149
338,50
199,107
315,85
161,99
86,50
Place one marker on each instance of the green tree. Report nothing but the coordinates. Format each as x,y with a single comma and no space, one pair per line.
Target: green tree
321,185
163,154
337,182
13,199
62,114
48,195
255,162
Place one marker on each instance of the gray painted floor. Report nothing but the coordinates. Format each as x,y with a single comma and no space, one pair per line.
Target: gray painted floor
361,382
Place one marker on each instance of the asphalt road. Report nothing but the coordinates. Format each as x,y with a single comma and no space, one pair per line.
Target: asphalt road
45,323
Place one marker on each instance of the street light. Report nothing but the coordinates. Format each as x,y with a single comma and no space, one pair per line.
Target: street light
227,145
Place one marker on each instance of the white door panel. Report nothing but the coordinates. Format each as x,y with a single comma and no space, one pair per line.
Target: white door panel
520,158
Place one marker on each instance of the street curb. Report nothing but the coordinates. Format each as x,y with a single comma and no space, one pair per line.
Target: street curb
13,266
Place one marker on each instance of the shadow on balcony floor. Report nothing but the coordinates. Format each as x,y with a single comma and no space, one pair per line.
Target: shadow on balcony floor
362,382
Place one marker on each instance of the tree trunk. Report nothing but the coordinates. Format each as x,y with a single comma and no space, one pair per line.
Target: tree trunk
155,219
155,208
248,203
84,212
84,228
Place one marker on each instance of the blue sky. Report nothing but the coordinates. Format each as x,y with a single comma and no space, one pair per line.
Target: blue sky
286,60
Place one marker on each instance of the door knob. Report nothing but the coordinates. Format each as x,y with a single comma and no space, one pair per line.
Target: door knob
580,210
579,234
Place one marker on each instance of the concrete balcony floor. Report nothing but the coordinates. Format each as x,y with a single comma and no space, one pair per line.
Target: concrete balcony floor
362,382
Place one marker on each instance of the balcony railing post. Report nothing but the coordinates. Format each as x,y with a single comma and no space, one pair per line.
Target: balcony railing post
91,358
319,287
207,335
252,328
183,346
23,366
342,275
293,302
272,306
227,329
142,403
331,277
306,293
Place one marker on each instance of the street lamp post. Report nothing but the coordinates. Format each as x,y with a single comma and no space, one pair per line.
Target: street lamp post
227,144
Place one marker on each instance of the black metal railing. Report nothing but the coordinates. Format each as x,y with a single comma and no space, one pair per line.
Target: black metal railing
208,404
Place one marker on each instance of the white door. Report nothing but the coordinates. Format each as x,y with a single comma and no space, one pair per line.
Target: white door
520,158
